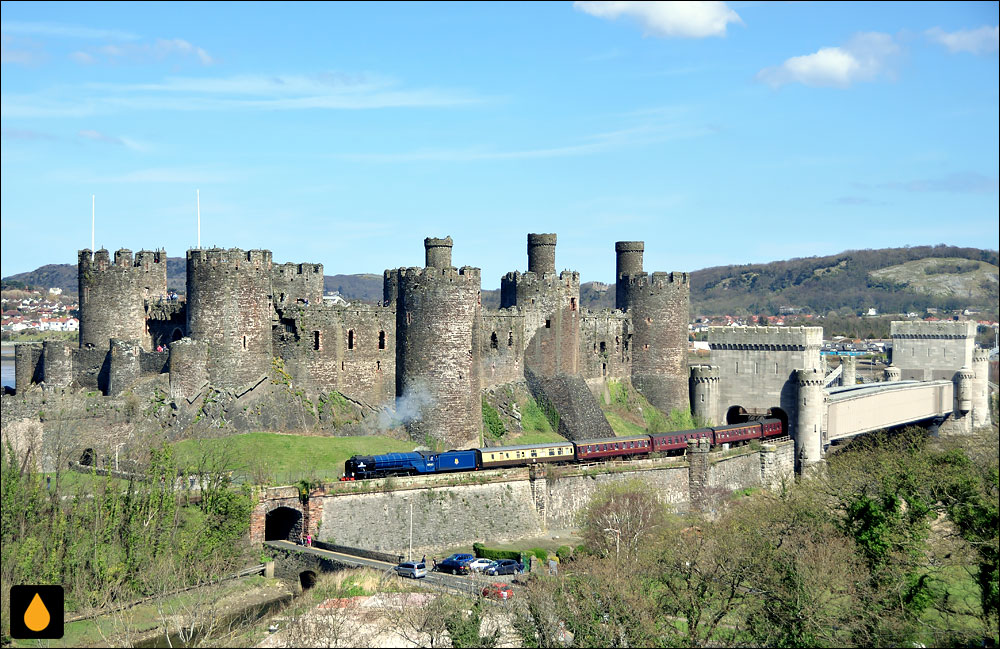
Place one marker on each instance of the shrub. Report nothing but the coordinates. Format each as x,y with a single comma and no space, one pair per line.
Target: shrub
492,423
565,553
495,554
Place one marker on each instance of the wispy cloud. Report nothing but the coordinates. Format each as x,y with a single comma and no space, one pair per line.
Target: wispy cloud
957,183
25,134
158,50
866,57
856,201
62,30
288,92
20,51
97,136
985,40
668,19
652,131
156,175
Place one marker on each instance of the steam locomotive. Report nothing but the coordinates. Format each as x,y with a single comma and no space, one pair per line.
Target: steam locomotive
364,467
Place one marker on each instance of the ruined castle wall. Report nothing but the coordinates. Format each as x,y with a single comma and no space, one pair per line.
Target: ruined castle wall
229,307
351,350
113,295
154,362
58,364
604,345
296,284
188,368
28,366
166,321
125,367
438,320
550,304
91,366
658,306
501,347
929,351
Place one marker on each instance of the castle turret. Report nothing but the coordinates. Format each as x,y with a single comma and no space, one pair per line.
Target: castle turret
113,296
809,423
892,374
964,380
437,252
541,253
293,284
980,388
628,261
229,308
658,306
849,375
438,367
57,361
705,393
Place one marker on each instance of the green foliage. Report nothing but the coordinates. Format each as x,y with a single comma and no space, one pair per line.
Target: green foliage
464,628
533,418
564,552
957,268
481,550
492,423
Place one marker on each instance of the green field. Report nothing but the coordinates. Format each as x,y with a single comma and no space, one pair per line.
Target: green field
284,459
536,437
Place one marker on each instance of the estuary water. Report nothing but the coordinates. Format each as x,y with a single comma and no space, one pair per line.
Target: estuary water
8,364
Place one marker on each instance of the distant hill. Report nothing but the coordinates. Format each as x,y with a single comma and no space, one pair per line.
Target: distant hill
891,280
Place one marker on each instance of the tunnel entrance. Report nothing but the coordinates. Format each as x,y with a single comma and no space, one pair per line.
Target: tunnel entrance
283,524
737,415
177,335
307,579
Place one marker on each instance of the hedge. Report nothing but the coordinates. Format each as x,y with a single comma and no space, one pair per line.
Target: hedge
481,550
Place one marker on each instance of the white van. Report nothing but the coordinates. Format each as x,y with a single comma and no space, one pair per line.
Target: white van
412,569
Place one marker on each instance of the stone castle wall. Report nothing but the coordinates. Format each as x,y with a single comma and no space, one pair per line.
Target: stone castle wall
501,347
928,351
296,284
604,345
113,295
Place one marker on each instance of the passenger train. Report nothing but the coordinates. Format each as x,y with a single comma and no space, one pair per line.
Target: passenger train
363,467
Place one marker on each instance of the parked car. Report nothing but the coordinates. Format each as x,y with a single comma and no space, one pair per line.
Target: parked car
480,564
498,591
412,569
457,564
505,567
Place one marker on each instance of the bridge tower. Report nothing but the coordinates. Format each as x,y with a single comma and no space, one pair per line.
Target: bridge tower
808,429
438,369
849,375
705,393
980,388
229,309
892,374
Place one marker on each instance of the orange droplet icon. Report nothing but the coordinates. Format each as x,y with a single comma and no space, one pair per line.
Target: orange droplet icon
36,617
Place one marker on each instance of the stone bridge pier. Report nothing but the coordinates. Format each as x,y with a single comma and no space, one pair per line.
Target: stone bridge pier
283,514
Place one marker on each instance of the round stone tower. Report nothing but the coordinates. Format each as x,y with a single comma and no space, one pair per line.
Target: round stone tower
541,253
113,295
658,306
437,252
229,309
893,374
849,375
980,388
628,261
808,432
964,380
705,393
438,381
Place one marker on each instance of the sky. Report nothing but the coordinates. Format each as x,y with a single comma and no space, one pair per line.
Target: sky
343,134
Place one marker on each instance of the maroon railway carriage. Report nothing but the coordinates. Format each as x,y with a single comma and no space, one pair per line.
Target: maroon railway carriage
596,449
737,433
772,428
678,440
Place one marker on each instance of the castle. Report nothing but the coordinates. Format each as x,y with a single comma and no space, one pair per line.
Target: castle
429,341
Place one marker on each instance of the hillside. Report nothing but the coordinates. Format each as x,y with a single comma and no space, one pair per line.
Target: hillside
891,280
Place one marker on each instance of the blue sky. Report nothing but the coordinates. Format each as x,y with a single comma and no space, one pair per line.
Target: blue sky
718,133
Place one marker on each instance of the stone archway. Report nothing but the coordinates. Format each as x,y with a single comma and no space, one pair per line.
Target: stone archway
778,413
283,524
307,579
736,415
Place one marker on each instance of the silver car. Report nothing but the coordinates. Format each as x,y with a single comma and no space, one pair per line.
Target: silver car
412,569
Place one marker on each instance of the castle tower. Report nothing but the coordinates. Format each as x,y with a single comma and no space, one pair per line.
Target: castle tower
437,252
658,305
57,359
541,253
962,419
113,295
293,284
849,375
550,304
437,350
705,393
980,388
229,308
808,429
628,261
892,374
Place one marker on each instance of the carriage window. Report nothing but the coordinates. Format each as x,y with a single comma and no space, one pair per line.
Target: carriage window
552,451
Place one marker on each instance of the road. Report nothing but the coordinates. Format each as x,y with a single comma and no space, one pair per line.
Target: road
472,584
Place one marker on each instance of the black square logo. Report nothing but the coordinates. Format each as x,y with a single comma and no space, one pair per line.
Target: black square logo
36,612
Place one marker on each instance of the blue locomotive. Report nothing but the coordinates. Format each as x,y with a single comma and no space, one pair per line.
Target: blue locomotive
362,467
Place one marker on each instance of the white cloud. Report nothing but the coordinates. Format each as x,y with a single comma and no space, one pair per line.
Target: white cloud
165,47
984,40
61,30
97,136
866,57
670,19
82,58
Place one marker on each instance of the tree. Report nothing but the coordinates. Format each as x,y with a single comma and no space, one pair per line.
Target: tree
619,517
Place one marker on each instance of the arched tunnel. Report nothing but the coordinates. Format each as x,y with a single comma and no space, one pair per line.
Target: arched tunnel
283,524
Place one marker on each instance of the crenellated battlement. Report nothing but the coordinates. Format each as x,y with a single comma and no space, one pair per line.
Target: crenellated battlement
432,273
290,270
658,279
100,260
933,330
765,338
236,258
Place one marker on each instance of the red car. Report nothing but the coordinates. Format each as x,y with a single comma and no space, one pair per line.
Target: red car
498,591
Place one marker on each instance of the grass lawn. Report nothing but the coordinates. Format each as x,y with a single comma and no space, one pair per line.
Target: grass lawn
536,437
286,459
